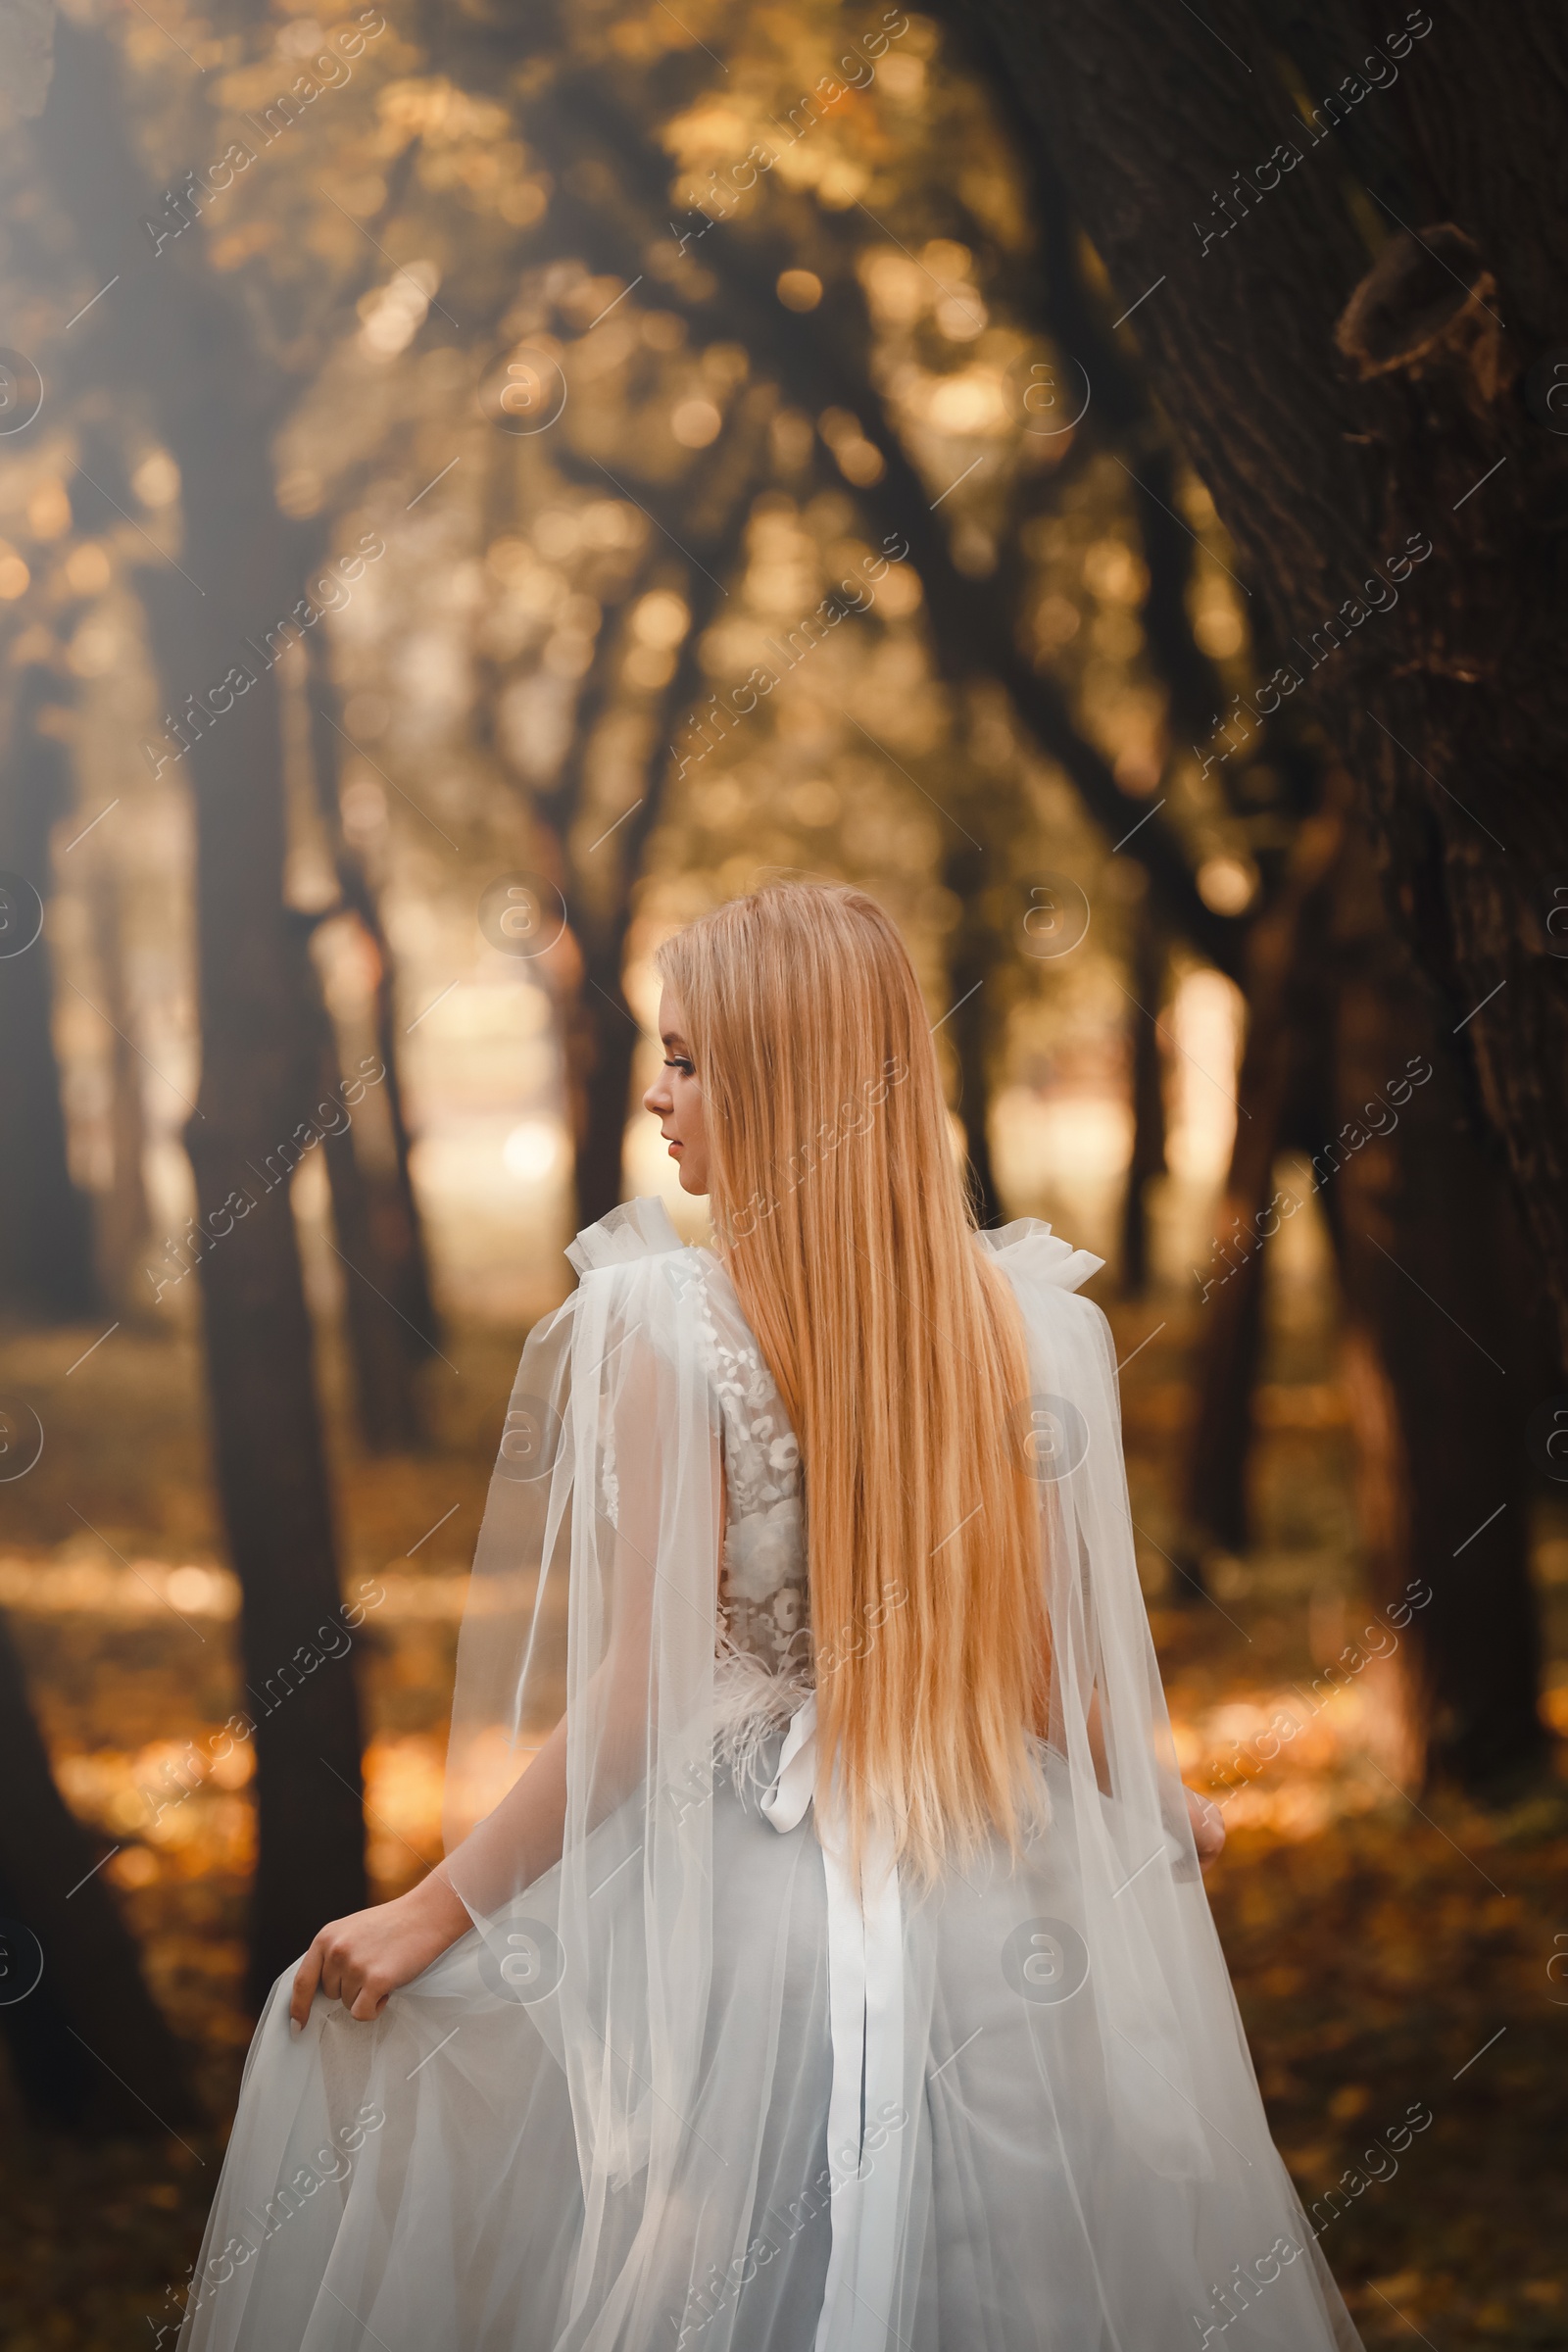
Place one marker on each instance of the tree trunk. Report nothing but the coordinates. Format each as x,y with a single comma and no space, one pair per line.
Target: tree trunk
124,1217
272,1473
46,1258
602,1034
90,2046
1146,1159
181,336
1284,971
1355,409
383,1375
392,1207
1438,1346
969,1029
603,1037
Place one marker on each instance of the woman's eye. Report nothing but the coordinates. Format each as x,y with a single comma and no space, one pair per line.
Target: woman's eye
687,1066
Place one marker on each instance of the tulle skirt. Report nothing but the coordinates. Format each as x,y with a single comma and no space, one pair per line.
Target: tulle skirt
417,2183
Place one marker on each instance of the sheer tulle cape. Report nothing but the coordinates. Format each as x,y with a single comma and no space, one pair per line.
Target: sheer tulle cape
602,2120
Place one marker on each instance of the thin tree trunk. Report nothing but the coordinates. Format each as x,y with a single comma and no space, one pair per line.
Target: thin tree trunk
46,1256
392,1207
970,1028
1147,1160
383,1382
603,1037
1281,1011
1216,1512
598,1051
123,1213
601,1031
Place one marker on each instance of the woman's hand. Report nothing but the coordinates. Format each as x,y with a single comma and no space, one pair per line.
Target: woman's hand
1209,1826
363,1959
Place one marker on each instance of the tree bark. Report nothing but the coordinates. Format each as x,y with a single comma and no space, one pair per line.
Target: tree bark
1354,390
181,338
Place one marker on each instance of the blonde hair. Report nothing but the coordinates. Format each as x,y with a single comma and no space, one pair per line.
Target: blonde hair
842,1219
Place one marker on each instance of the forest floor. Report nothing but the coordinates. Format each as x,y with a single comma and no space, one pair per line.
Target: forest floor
1390,1958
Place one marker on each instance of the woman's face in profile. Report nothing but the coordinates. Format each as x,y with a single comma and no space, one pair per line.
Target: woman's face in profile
676,1099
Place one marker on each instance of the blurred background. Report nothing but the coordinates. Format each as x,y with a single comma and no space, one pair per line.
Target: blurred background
476,490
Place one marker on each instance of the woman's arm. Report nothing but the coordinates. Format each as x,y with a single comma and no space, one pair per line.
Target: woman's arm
364,1959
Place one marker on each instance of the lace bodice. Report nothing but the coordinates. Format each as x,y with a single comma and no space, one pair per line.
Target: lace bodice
762,1578
765,1617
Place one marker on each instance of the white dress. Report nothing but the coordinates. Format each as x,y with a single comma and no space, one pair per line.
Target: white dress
689,2090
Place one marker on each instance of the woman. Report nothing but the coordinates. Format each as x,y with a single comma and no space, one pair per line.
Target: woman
837,1974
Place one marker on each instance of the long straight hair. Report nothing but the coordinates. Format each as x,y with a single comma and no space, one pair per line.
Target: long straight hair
841,1219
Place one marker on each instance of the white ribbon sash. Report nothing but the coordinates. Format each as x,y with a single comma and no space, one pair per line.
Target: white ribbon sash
865,2012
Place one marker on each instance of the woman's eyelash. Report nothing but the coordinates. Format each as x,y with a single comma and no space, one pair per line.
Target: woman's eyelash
673,1062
